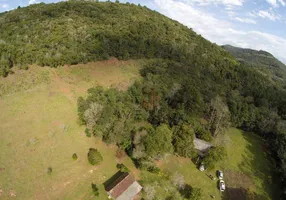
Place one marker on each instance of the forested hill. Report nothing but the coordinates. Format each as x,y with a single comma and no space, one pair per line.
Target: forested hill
77,32
186,78
260,59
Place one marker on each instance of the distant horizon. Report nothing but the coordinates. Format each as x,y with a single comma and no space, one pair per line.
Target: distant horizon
257,25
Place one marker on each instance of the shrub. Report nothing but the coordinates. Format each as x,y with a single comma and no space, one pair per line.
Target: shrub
74,156
191,193
203,134
214,155
94,156
147,164
122,167
49,170
94,189
153,169
87,132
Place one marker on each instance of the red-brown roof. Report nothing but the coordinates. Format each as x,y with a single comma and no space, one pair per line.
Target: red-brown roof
120,185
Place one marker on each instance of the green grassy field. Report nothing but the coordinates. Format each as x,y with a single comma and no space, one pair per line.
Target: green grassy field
39,130
246,166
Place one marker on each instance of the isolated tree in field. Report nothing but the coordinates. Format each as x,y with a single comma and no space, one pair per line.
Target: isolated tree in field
183,141
92,114
74,156
94,189
219,116
94,156
191,193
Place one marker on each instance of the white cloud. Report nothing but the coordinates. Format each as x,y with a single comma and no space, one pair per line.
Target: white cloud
273,2
4,6
221,31
269,15
282,2
222,2
245,20
33,2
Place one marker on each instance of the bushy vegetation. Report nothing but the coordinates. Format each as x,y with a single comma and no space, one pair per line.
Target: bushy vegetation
94,157
261,60
199,82
189,79
158,186
183,141
74,156
94,189
214,155
80,31
49,170
122,168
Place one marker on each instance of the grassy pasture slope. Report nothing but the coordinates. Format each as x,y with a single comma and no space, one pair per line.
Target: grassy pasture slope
39,130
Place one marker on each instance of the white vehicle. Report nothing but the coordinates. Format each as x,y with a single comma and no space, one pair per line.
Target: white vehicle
221,185
202,168
220,174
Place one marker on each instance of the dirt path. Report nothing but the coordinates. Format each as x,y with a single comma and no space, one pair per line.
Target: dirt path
62,86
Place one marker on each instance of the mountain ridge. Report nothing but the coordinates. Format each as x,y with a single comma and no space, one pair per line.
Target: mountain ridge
261,60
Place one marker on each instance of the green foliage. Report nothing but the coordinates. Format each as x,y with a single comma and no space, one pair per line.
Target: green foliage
191,193
122,168
196,194
94,157
95,190
260,60
87,132
80,31
280,148
183,141
49,170
203,134
148,165
214,155
159,142
74,156
117,118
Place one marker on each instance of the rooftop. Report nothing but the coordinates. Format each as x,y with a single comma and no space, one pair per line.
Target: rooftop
124,187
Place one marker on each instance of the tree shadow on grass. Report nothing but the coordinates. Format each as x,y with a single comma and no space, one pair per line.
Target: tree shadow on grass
256,165
241,194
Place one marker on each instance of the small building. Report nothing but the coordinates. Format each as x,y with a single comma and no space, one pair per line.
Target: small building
124,187
202,146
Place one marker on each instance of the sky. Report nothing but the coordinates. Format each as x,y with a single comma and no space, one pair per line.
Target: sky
255,24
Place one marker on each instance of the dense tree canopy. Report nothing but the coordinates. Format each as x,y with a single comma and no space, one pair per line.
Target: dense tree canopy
186,79
80,31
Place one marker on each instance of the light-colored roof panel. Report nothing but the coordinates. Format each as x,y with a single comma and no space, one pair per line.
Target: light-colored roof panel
121,186
130,192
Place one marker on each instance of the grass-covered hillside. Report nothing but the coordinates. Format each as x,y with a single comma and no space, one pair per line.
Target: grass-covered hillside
39,131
